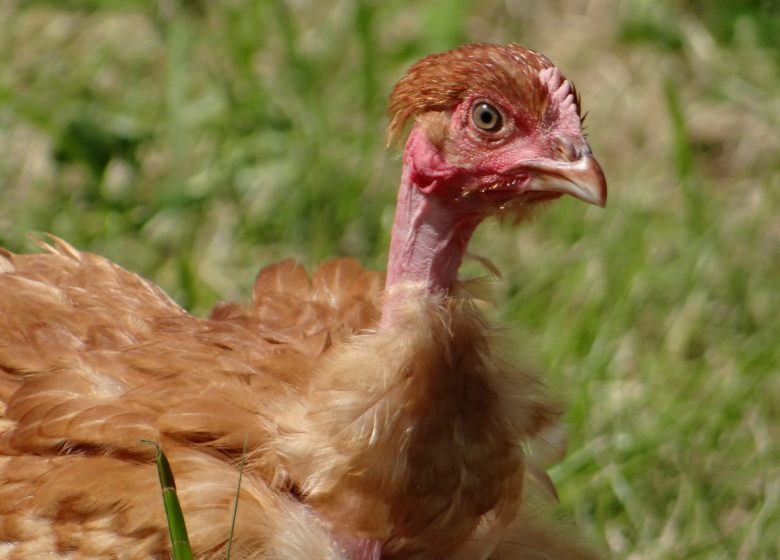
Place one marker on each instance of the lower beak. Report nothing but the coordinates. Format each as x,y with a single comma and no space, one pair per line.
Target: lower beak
582,179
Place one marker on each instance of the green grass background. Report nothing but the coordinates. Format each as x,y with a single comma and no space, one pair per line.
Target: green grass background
195,141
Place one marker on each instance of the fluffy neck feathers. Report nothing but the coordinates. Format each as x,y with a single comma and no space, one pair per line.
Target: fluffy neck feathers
411,434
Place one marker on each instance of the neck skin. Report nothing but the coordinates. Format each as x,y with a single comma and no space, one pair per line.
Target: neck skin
430,232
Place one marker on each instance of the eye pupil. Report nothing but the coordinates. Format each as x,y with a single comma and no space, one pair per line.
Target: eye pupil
486,117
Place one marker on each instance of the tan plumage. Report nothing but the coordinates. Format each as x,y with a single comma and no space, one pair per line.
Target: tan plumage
369,434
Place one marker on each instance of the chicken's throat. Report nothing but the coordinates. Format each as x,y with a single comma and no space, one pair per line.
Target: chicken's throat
429,239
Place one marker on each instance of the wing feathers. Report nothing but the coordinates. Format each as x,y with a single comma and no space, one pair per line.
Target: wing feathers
93,359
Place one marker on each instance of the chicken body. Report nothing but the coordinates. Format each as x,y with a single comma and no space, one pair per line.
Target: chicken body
88,374
379,421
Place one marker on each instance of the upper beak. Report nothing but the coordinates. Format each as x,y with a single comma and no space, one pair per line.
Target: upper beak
582,179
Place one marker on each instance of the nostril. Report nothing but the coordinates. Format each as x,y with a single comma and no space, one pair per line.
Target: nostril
568,150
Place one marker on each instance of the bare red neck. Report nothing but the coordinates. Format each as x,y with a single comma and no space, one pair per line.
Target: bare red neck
430,232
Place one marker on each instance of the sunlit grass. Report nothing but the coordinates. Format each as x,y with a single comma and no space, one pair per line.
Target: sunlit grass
194,142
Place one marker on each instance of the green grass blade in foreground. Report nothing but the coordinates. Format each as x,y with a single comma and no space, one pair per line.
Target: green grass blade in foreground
235,502
176,526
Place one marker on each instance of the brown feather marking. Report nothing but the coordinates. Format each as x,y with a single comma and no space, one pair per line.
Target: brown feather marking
440,81
284,277
6,261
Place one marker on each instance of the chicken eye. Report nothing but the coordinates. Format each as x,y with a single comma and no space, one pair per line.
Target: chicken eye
486,117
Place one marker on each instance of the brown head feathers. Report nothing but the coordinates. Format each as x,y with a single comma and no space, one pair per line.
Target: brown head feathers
440,81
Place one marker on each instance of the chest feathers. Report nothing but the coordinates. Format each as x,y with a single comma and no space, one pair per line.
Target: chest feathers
414,433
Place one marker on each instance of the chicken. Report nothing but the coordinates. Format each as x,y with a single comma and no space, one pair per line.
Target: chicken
375,414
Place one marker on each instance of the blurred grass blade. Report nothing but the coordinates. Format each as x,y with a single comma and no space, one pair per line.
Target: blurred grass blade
695,201
176,526
235,502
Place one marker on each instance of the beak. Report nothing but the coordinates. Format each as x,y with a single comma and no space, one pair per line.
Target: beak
582,179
